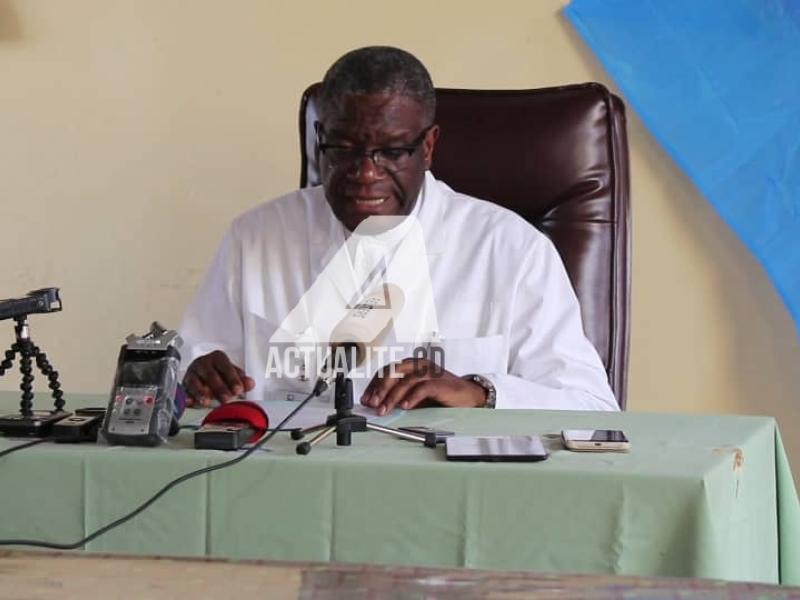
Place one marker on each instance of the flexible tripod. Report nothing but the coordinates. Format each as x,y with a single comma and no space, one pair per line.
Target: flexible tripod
345,423
28,351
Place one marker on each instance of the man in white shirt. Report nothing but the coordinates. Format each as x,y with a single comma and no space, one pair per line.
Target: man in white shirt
489,289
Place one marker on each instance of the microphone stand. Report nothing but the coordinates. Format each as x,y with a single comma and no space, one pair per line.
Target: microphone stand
345,423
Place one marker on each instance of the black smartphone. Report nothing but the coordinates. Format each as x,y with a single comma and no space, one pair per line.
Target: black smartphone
516,448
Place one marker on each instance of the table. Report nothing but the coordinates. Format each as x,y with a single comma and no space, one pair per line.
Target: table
43,576
698,496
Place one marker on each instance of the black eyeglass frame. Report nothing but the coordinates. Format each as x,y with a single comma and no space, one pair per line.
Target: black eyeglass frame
380,157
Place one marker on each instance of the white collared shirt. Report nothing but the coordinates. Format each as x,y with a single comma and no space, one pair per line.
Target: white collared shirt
504,305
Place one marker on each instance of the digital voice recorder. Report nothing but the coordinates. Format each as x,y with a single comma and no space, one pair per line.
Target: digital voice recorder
142,404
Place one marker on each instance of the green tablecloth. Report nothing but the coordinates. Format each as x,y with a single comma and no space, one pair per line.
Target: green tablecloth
698,496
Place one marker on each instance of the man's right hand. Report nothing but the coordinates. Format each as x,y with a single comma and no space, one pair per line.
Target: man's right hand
214,376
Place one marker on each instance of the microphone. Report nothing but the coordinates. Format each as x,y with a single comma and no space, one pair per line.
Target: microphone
364,324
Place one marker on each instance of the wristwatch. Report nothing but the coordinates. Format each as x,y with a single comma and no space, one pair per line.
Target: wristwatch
488,386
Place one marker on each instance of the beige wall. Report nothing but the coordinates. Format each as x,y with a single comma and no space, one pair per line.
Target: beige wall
132,131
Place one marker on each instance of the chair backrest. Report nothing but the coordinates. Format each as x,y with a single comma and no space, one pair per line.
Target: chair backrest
559,158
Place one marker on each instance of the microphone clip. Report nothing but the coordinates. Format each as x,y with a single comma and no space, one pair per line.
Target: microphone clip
342,358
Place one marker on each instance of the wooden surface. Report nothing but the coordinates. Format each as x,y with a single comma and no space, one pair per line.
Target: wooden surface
45,576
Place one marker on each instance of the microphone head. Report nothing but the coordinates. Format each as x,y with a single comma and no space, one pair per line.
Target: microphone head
396,297
368,320
363,326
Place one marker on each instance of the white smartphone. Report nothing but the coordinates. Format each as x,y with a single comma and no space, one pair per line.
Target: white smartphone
595,440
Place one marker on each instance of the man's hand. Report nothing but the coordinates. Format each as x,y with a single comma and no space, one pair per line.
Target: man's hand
215,376
422,381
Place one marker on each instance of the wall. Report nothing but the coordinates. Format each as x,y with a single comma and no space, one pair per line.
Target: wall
131,132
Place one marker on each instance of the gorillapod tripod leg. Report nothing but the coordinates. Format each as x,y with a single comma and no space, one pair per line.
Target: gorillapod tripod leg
8,361
52,376
29,421
29,353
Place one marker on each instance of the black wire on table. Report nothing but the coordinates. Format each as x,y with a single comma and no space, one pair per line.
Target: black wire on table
158,494
8,451
196,427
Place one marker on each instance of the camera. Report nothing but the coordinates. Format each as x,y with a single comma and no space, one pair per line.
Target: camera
44,300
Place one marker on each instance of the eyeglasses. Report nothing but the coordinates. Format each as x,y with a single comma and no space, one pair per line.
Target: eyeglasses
389,158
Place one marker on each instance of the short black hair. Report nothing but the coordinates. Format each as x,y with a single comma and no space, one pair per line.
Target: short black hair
379,70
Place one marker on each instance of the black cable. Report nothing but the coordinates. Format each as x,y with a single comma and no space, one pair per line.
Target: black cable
196,427
8,451
159,493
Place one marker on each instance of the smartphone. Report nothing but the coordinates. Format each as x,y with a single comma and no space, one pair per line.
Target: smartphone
515,448
595,440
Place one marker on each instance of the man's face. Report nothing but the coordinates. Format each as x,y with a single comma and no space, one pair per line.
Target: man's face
350,132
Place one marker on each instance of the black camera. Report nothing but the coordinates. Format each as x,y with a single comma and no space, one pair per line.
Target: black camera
44,300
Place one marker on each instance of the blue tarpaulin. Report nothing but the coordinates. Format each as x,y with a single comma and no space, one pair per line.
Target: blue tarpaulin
717,82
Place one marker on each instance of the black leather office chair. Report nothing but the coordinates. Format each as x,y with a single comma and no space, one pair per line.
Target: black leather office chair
559,158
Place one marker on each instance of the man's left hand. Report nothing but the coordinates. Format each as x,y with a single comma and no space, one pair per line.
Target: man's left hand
413,381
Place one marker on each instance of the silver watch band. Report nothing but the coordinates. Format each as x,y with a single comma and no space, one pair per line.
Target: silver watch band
486,384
